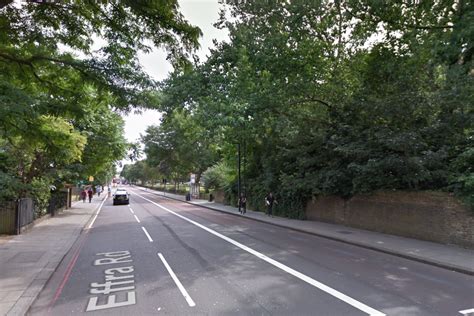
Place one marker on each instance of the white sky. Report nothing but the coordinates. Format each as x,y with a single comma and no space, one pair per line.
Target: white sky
201,13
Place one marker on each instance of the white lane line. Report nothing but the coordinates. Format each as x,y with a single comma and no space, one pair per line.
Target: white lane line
97,214
349,300
131,210
146,233
136,218
467,312
178,283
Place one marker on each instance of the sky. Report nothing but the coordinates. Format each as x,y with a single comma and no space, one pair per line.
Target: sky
201,13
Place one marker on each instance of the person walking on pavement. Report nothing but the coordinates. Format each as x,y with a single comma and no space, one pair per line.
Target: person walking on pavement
109,190
90,192
83,195
98,189
269,201
242,204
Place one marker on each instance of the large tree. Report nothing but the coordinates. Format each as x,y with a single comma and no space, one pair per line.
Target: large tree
64,68
339,97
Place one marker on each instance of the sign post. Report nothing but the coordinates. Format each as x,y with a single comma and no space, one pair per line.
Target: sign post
192,185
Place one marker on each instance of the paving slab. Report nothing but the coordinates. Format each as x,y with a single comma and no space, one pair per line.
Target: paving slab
27,261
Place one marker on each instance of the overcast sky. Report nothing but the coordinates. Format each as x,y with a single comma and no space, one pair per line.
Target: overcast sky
202,13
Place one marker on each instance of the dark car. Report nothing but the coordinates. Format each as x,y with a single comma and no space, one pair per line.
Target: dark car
121,197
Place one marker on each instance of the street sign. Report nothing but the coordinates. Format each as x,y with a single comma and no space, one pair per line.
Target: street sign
91,178
193,178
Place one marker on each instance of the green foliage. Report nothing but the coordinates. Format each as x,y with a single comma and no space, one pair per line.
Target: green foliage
141,171
178,146
41,192
219,177
9,187
462,177
339,98
66,70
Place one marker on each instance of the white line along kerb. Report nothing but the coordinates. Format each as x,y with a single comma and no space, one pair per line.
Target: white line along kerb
97,214
178,283
343,297
146,233
467,312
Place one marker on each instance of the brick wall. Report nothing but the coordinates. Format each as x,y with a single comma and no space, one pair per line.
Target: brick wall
219,197
433,216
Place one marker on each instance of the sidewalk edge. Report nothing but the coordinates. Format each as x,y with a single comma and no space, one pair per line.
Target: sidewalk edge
46,273
362,245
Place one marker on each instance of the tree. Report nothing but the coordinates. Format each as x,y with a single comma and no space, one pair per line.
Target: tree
178,146
338,97
66,68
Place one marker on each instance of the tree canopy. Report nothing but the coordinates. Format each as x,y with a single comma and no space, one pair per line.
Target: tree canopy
335,97
68,70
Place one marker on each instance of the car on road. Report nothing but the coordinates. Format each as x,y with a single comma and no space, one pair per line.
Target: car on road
121,197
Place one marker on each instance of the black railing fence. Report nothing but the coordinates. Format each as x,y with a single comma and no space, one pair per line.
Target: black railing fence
25,213
15,215
8,217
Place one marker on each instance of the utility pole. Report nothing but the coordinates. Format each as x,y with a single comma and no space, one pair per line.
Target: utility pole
238,181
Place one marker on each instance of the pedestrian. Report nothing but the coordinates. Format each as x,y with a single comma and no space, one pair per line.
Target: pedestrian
83,195
242,204
90,192
98,189
109,190
269,201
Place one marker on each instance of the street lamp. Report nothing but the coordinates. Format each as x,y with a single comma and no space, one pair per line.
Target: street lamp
238,180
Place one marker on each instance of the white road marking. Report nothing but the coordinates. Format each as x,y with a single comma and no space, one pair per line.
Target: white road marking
97,214
146,233
178,283
111,302
467,312
131,210
136,218
349,300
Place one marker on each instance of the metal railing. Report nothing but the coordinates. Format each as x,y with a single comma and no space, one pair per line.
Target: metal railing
25,213
8,217
15,215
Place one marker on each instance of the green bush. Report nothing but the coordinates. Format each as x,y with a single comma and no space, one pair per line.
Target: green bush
462,180
219,177
41,193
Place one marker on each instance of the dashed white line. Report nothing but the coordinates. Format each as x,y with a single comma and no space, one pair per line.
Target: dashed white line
136,218
146,233
467,312
131,210
178,283
323,287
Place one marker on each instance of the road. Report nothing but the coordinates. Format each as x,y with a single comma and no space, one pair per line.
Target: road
160,256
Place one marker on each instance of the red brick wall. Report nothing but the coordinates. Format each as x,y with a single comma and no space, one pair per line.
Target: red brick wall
219,196
433,216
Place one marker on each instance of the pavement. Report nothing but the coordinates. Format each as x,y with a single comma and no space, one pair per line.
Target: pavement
27,261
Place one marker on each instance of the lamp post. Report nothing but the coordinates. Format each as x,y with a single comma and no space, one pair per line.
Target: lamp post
238,168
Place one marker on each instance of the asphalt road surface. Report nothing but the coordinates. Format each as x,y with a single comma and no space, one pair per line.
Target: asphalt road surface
159,256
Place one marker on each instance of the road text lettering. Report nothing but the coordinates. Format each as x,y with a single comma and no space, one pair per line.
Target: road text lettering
119,280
